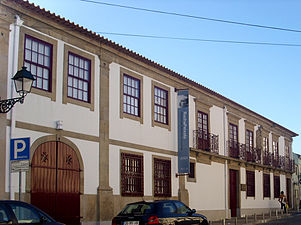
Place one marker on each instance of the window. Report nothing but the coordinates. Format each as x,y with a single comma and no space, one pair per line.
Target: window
275,148
192,170
250,183
162,178
249,140
131,175
24,214
38,60
265,144
79,77
3,215
233,141
266,186
203,139
161,105
131,95
276,186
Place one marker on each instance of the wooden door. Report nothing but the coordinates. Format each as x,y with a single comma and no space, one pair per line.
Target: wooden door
55,181
233,192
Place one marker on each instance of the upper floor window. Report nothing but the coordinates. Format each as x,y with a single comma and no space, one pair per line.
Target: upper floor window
249,140
162,178
265,144
79,77
131,95
131,174
38,60
202,132
160,105
233,131
275,148
250,183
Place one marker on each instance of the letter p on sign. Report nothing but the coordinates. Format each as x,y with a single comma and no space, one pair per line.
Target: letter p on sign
19,148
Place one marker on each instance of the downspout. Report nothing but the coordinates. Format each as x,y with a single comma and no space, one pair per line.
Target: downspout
226,162
14,68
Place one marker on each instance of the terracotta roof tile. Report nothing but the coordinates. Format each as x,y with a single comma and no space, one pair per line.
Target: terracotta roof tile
93,35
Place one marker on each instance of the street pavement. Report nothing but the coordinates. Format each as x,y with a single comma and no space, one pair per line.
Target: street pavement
294,219
273,218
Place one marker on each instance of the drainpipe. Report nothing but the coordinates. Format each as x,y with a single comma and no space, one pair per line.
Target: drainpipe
226,162
14,68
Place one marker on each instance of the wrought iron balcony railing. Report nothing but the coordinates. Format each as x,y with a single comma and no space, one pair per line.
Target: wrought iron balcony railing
205,141
209,142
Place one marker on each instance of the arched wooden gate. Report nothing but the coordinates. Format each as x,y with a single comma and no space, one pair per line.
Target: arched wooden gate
55,181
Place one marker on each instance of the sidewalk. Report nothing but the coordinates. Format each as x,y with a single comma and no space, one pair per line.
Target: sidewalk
253,219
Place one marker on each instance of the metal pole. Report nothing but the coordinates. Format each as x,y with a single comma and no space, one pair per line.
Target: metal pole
20,184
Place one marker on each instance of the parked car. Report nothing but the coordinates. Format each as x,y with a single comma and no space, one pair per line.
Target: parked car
164,212
17,212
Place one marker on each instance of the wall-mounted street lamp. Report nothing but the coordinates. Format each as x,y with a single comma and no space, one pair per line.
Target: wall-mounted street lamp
23,80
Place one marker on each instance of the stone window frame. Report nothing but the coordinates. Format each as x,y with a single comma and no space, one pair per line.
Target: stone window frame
264,184
276,186
139,156
251,193
166,160
25,31
90,105
204,108
167,89
192,179
234,120
140,78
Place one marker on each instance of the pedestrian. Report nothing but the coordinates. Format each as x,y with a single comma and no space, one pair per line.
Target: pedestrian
282,200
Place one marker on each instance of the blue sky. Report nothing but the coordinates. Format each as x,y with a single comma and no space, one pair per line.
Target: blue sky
265,79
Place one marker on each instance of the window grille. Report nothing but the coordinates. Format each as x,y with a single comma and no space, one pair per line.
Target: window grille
266,185
131,175
250,183
162,178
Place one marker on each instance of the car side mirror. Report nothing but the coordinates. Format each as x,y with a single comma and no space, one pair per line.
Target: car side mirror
192,211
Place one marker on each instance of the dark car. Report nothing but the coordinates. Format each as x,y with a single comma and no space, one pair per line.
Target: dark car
17,212
165,212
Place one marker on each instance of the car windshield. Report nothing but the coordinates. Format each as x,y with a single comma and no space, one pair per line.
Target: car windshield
138,208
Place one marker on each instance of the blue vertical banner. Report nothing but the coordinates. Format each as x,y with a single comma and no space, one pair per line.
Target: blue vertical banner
183,131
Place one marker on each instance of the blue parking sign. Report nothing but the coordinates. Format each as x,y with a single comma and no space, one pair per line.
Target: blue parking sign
19,149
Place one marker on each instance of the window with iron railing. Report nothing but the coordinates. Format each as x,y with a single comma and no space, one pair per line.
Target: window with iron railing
233,141
162,178
131,175
249,146
203,130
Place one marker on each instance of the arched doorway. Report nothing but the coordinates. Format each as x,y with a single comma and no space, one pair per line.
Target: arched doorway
55,181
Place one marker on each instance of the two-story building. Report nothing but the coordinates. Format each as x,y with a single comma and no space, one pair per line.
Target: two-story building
103,128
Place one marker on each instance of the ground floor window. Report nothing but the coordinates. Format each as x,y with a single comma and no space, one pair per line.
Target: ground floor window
276,186
131,174
250,183
162,178
266,186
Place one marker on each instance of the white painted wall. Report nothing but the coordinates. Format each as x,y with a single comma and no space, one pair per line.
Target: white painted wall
40,110
143,134
217,126
208,193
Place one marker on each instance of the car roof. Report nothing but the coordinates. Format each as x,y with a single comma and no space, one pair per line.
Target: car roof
152,201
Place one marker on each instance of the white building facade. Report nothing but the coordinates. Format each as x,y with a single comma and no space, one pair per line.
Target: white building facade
102,122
